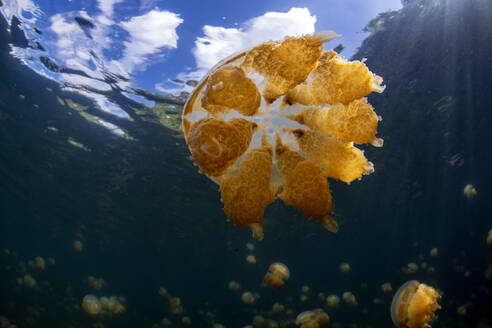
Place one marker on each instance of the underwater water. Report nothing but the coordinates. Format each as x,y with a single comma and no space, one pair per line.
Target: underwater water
96,179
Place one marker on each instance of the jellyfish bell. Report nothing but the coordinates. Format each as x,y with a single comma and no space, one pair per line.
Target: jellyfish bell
345,267
248,298
489,237
469,191
251,259
91,305
29,281
234,286
39,263
78,246
277,275
248,94
413,305
332,301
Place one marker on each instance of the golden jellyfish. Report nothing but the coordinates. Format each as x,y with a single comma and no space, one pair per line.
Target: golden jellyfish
305,289
312,319
96,283
39,263
115,306
166,322
470,191
104,302
349,298
386,288
258,321
162,291
277,275
489,237
248,298
414,304
51,260
303,298
78,246
251,259
434,252
345,267
250,246
91,305
175,305
279,120
234,286
277,308
186,321
332,301
411,268
29,281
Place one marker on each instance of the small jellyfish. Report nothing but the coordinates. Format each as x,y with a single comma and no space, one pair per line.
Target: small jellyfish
332,301
411,268
175,305
115,306
162,291
39,263
349,298
96,283
78,246
470,191
277,275
277,308
345,267
434,252
305,289
258,321
250,246
29,281
312,319
489,237
186,321
303,298
251,259
51,261
234,286
414,304
386,288
91,305
104,301
166,322
248,298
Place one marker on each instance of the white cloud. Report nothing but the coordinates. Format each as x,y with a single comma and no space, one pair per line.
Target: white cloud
220,42
149,33
107,6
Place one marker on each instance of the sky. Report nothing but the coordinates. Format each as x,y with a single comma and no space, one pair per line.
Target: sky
156,41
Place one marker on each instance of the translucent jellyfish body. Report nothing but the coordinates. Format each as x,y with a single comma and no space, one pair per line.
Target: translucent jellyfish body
277,275
414,304
312,319
277,121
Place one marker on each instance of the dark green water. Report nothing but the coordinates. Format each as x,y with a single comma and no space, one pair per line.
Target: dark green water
148,219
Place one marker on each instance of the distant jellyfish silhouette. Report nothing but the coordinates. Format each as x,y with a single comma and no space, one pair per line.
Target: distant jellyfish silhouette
277,121
414,304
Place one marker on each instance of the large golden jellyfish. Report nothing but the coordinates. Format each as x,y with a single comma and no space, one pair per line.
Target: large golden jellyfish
279,119
414,304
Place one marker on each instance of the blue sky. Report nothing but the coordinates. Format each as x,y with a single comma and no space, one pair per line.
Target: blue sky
155,41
